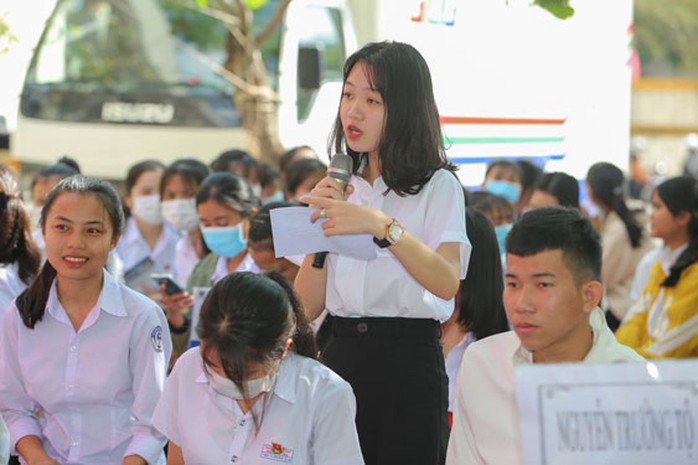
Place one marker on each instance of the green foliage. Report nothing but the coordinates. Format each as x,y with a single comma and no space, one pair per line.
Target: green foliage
195,27
7,38
559,8
666,34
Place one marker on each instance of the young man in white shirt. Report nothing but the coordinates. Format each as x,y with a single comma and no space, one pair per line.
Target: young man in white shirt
551,297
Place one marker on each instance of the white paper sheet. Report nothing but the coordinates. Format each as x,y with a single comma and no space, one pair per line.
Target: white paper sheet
294,234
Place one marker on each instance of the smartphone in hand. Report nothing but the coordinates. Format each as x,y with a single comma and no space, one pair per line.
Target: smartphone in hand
171,286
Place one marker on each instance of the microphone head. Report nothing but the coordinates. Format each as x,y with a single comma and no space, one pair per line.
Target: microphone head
340,168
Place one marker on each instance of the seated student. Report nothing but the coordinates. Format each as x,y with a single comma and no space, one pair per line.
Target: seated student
498,210
19,256
662,323
530,174
479,311
556,188
623,238
551,297
240,163
270,180
504,178
178,188
260,244
255,386
302,176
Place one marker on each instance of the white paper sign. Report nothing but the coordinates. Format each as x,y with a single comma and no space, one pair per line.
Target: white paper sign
620,414
294,234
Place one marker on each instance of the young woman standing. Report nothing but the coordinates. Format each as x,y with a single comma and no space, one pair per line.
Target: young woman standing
388,310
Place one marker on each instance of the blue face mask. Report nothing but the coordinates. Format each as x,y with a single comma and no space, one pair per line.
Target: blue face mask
278,197
501,231
226,241
506,189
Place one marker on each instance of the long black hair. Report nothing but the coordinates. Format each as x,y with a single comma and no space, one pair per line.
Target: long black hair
481,308
16,244
247,318
560,185
32,302
680,194
411,147
606,182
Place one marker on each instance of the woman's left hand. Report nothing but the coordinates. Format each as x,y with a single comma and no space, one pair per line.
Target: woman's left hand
347,218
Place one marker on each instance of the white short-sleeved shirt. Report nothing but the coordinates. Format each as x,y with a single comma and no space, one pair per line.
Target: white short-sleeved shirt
185,259
10,286
89,394
308,420
133,250
381,287
221,270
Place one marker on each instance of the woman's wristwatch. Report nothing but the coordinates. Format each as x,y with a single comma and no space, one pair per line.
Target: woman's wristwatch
393,234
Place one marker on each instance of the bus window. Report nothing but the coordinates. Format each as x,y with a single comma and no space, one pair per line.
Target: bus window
135,61
323,30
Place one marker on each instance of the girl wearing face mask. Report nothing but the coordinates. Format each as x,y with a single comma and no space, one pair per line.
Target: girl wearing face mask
147,245
225,203
180,183
255,381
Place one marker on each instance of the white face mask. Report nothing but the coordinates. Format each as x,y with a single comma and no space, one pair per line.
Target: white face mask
254,387
181,214
257,190
147,209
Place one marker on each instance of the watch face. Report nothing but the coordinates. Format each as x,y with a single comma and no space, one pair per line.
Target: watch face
395,232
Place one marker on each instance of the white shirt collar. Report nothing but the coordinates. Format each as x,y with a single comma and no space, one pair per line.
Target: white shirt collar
667,257
110,299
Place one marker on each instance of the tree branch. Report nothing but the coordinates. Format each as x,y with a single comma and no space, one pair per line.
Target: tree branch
273,23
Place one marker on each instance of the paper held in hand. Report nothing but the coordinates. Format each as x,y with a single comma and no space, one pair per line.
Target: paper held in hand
294,234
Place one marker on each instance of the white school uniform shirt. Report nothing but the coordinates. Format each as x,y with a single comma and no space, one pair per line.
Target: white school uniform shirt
185,259
89,395
485,417
132,250
221,271
381,287
10,287
308,418
452,364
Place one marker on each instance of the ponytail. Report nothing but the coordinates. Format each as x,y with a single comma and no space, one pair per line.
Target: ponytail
631,226
606,183
31,303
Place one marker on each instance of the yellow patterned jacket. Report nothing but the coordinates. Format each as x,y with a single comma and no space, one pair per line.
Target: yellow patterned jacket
664,321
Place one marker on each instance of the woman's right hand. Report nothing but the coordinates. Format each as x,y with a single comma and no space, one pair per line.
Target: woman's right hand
174,305
330,188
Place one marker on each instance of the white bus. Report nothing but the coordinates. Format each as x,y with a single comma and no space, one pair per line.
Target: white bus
113,82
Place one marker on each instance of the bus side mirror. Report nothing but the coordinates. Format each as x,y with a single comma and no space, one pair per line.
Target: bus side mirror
309,67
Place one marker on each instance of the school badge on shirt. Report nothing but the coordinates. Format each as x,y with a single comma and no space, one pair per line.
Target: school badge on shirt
156,338
276,452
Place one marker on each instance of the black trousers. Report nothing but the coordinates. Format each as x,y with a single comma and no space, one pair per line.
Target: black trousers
396,368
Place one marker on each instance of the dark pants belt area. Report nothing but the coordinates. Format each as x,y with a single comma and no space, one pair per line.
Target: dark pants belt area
385,327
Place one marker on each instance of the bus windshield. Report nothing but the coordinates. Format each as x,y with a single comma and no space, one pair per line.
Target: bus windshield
135,47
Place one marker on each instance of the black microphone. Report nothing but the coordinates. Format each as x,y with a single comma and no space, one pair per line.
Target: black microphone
340,169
